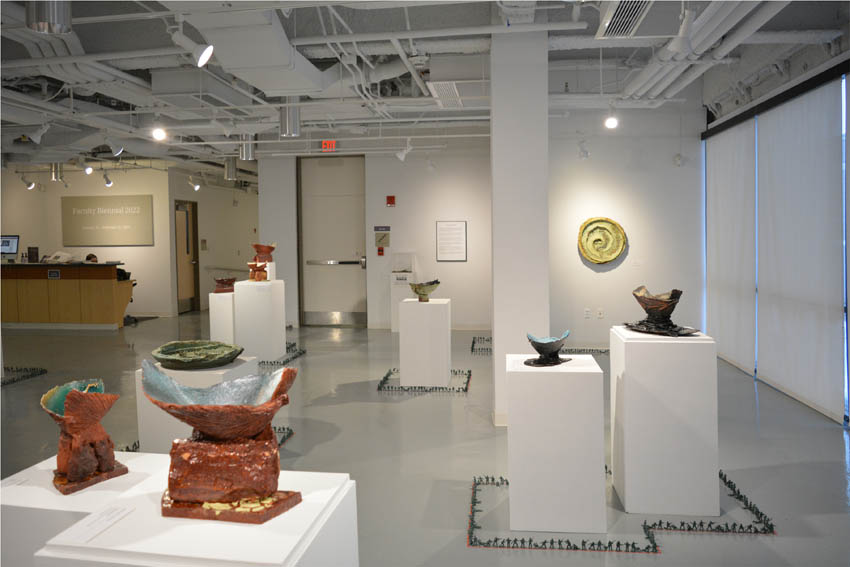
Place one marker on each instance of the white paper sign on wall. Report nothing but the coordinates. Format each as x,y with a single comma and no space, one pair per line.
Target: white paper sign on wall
451,241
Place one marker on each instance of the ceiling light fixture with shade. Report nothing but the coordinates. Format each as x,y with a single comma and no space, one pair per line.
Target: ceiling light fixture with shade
201,52
611,121
81,163
106,181
402,154
193,185
38,133
114,147
30,185
682,42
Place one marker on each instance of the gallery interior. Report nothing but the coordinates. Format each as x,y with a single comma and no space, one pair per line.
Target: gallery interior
430,283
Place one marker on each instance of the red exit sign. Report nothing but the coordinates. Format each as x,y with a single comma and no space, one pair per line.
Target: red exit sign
328,145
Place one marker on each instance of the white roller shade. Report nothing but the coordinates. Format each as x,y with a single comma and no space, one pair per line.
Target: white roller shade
800,263
731,243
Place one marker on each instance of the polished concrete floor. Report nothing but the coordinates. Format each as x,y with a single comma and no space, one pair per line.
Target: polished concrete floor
413,456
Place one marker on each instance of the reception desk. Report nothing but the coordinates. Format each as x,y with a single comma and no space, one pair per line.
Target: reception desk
63,295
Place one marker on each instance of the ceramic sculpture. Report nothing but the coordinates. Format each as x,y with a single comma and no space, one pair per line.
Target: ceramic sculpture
228,469
258,272
658,309
86,453
264,252
224,285
548,349
601,240
425,289
192,355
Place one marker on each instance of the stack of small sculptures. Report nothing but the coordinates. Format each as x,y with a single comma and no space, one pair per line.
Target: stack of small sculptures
86,453
658,309
228,469
425,289
192,355
258,265
258,272
548,349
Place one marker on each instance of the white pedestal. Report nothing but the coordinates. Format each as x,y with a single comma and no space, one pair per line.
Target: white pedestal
222,317
33,511
425,342
664,423
399,291
556,451
130,530
157,429
261,318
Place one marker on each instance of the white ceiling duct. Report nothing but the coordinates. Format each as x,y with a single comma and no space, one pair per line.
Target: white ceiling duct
622,19
253,46
192,88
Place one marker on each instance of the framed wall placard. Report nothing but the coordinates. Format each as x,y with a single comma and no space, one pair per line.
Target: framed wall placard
119,220
451,241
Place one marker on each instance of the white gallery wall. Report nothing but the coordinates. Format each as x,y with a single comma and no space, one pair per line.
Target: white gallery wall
227,222
278,222
37,217
633,177
456,188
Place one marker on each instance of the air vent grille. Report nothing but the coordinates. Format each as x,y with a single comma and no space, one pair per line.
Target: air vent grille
446,94
622,18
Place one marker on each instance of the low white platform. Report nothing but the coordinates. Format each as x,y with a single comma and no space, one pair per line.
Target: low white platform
425,342
222,318
664,423
556,446
157,429
260,309
33,511
130,530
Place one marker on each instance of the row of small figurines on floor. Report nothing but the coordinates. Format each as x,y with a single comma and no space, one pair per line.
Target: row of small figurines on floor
227,470
658,310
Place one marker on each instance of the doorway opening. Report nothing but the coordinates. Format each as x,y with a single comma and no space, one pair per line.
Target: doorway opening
186,248
332,241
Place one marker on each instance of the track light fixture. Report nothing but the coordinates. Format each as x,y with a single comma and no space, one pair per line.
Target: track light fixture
158,133
81,163
191,182
38,133
583,152
201,53
402,154
247,147
30,185
106,181
611,121
682,42
115,148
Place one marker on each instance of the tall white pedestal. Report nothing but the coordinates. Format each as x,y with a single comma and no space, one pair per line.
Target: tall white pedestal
425,342
556,451
399,291
261,318
157,429
33,511
222,315
664,423
321,531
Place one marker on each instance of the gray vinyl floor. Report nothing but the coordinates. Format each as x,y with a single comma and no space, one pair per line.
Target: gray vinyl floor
413,456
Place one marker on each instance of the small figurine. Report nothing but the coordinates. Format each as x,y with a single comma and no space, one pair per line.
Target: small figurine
258,272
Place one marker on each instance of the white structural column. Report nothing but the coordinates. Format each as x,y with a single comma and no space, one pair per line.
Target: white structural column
519,157
278,219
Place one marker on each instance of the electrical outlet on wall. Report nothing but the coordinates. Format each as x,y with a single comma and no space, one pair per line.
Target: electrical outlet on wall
600,314
587,314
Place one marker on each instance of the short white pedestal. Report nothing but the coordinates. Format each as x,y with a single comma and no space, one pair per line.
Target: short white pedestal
157,429
33,511
222,317
664,423
261,318
556,446
320,531
399,291
425,342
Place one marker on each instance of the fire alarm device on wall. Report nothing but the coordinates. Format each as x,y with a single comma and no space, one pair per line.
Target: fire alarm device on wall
391,200
380,250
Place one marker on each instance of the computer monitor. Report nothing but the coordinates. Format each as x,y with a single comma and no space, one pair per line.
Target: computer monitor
9,246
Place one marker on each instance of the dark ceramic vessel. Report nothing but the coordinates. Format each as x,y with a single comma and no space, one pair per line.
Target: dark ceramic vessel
193,355
425,289
658,309
548,349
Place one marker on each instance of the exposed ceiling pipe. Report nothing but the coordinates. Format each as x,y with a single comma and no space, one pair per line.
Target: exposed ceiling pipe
414,74
764,14
793,36
439,32
92,57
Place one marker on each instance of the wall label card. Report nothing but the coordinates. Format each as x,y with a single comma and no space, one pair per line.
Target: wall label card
451,241
119,220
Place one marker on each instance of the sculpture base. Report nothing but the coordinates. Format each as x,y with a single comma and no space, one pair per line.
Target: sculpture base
667,328
63,485
246,511
543,361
